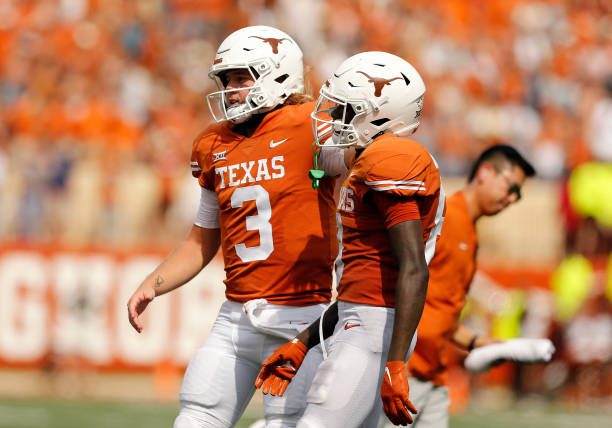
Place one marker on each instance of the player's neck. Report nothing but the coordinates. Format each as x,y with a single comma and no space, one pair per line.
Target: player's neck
248,127
471,200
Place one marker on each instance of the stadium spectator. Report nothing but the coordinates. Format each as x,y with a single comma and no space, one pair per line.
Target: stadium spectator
131,73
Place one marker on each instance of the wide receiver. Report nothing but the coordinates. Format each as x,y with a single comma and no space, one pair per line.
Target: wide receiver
391,207
276,233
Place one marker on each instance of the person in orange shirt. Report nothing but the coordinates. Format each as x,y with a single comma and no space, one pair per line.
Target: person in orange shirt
391,208
494,184
277,234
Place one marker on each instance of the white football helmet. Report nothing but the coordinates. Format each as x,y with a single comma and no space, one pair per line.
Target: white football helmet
370,93
274,61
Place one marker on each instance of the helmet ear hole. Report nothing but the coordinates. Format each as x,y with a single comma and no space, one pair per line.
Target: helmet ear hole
281,79
379,122
254,72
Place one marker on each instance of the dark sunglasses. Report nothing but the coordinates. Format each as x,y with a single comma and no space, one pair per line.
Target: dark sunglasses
513,188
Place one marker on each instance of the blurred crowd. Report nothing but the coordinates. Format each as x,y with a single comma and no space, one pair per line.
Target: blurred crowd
100,100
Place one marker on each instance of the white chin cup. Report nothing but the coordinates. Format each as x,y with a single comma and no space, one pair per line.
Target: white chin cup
239,113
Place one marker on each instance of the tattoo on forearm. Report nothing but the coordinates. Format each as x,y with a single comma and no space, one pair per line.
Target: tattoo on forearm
158,281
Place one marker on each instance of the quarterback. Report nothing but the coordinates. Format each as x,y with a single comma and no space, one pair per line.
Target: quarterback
276,233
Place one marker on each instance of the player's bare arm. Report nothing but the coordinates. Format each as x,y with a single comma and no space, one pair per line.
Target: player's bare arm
410,290
186,260
468,339
311,337
407,243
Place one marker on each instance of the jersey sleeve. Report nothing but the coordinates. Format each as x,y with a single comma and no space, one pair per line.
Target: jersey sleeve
201,167
395,210
403,174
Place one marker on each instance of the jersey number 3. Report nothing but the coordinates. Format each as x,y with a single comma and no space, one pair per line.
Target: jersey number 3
259,222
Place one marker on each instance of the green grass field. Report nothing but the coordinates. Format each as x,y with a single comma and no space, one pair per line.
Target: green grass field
73,414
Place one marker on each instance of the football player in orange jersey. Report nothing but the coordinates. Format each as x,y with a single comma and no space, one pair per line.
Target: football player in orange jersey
391,208
277,234
494,184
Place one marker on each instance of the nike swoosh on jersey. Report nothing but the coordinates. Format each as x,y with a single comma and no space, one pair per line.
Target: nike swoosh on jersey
277,143
349,325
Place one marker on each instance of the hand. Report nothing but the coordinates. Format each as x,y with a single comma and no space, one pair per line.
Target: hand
394,393
137,304
485,341
280,367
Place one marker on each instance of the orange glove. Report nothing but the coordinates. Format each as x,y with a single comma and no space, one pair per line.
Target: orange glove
280,367
394,393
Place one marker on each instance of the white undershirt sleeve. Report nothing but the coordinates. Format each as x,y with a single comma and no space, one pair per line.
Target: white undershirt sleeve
208,211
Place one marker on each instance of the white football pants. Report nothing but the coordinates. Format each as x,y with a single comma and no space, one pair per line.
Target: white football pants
346,389
219,381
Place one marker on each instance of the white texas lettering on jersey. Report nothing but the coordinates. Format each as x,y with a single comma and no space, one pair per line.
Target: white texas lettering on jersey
250,172
345,200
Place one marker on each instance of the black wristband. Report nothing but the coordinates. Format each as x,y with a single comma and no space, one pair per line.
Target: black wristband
470,346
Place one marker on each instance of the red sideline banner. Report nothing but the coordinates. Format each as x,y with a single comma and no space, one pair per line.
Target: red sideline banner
59,305
63,307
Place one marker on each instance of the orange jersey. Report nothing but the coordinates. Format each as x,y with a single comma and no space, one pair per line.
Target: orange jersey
278,235
450,274
395,166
